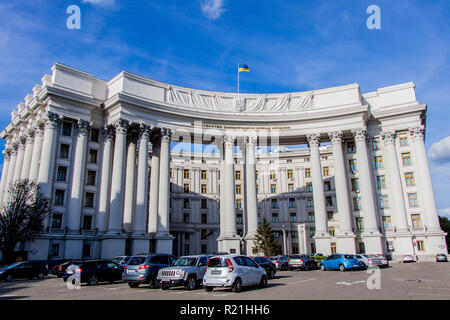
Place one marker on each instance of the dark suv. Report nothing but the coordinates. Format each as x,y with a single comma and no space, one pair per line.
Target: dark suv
94,271
24,269
267,265
144,268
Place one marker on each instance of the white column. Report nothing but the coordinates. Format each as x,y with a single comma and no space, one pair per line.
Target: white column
164,179
20,157
130,183
28,154
118,174
250,194
103,206
79,165
154,185
142,180
10,175
3,185
229,184
37,149
426,185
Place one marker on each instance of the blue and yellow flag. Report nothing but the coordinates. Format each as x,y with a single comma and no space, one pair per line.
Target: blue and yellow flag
243,67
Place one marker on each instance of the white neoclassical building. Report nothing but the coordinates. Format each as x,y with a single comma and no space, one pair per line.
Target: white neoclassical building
135,165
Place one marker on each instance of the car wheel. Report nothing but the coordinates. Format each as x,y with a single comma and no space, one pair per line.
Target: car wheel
271,274
164,287
237,286
191,283
93,280
133,284
154,284
208,289
306,268
341,267
322,267
41,276
263,283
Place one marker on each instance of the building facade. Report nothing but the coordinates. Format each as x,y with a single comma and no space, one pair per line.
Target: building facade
135,165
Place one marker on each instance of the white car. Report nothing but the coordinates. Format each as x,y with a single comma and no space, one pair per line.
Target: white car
368,260
408,258
233,271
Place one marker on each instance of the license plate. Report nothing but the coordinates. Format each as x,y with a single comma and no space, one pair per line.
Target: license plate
131,271
216,272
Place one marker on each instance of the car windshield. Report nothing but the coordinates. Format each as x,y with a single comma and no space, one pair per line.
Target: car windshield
349,256
294,257
13,265
135,261
273,259
260,260
186,261
217,263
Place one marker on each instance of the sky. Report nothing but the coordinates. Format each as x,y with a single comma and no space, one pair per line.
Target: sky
288,45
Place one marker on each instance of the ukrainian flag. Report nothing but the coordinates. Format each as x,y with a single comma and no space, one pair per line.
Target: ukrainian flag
243,67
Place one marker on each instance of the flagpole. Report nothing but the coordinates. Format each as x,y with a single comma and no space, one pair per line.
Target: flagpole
238,78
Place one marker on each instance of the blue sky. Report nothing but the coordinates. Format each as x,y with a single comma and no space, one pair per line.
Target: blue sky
288,45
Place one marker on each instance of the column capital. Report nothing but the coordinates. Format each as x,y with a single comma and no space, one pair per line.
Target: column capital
31,132
6,153
336,137
108,132
22,141
83,126
144,131
228,141
417,133
360,134
39,127
166,135
313,140
121,126
250,141
52,120
14,146
388,137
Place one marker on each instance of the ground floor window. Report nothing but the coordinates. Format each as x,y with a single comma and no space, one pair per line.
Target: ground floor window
54,250
86,250
333,247
420,246
361,247
313,248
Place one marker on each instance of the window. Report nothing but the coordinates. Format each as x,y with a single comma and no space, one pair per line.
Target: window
204,188
351,148
239,219
387,224
308,187
273,175
403,139
352,165
326,171
330,215
276,234
293,217
274,204
186,203
327,185
294,234
409,178
204,204
54,250
332,231
406,159
93,156
59,197
309,202
361,247
384,202
86,250
274,217
204,234
379,162
56,220
61,174
257,188
273,188
311,217
89,200
238,175
170,173
238,189
66,129
307,173
87,222
186,188
333,247
290,174
291,202
186,219
312,233
91,178
376,143
381,182
94,135
355,185
329,201
64,151
360,224
290,187
204,218
416,222
420,246
412,199
204,175
357,203
238,203
186,174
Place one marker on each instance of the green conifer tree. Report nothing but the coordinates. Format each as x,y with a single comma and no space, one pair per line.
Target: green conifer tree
265,241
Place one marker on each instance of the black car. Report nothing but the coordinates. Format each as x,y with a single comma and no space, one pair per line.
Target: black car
267,265
60,269
94,271
24,269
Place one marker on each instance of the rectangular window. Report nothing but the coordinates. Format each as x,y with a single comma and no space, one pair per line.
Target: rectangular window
204,204
387,224
293,217
273,188
294,234
290,187
62,174
311,217
355,185
186,188
238,203
239,219
309,202
416,221
351,148
326,171
186,174
352,165
361,247
66,129
406,159
330,215
360,224
307,173
94,135
333,247
93,156
59,197
57,220
89,200
384,202
290,174
204,175
312,233
273,175
376,143
238,189
329,201
409,178
86,250
275,217
87,222
186,219
276,234
186,203
332,231
204,189
204,234
308,187
379,162
238,175
204,218
54,250
327,185
412,199
403,138
64,151
420,246
274,204
357,203
291,202
91,178
381,182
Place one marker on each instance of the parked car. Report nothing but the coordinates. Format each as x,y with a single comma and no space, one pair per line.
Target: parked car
341,262
188,271
267,265
384,260
24,269
143,269
368,260
60,269
281,262
302,262
94,271
408,258
122,260
233,271
319,257
441,257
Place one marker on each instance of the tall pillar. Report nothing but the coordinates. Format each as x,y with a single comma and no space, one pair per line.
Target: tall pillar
371,234
129,201
346,237
20,158
3,183
154,185
10,175
37,149
28,154
103,206
322,237
163,237
250,193
141,244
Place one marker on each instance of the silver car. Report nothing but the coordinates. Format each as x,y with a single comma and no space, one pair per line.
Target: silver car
188,271
369,260
233,271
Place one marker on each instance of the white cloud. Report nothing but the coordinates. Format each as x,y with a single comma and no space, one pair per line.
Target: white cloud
104,3
212,9
444,212
440,151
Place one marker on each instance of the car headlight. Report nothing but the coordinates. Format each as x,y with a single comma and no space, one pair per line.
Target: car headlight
177,272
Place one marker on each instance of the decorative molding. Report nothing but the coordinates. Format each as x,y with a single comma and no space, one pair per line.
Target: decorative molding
144,131
166,135
228,141
121,126
360,135
417,133
313,140
108,132
336,137
388,137
53,120
83,127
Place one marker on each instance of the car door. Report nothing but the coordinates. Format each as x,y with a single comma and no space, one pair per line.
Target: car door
328,262
254,274
201,267
20,271
242,270
115,270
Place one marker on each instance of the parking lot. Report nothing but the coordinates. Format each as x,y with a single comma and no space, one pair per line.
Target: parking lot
399,281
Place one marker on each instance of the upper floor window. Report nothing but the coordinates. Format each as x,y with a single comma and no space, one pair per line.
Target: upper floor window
355,185
203,188
89,200
290,187
376,143
93,156
273,188
409,178
273,175
360,224
59,197
238,189
351,148
309,202
274,204
327,185
66,129
64,151
352,165
204,175
94,135
307,173
186,174
238,203
403,138
406,159
416,221
186,188
412,199
275,217
308,187
381,182
238,175
357,203
290,174
293,217
379,162
91,178
291,202
204,204
61,174
387,223
326,171
384,201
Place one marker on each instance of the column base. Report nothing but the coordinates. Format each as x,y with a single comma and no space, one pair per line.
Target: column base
113,247
323,245
230,245
140,245
373,243
164,243
346,243
403,244
74,249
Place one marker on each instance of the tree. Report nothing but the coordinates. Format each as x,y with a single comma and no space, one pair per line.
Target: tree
445,226
22,216
265,240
